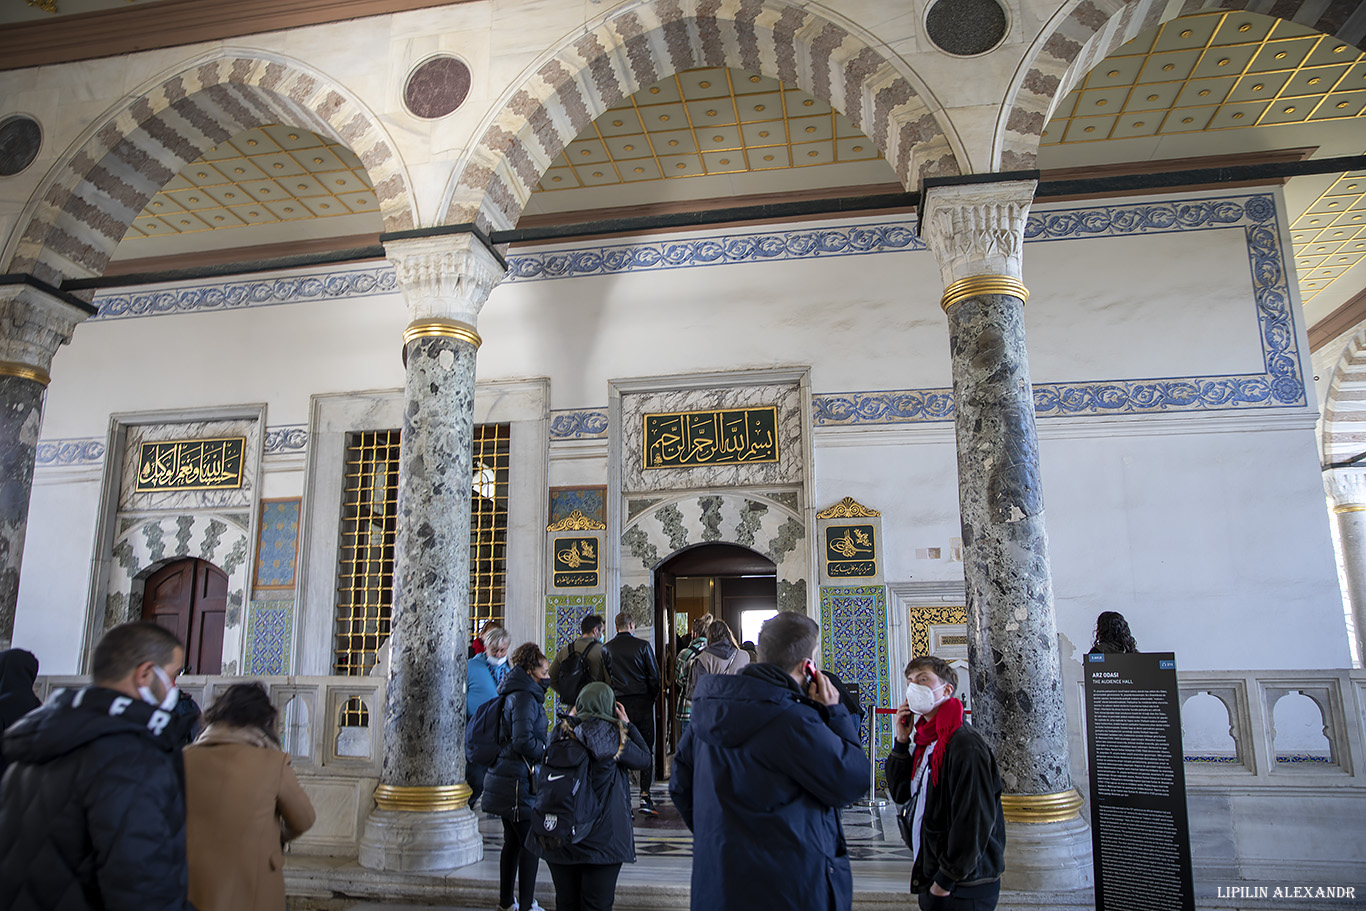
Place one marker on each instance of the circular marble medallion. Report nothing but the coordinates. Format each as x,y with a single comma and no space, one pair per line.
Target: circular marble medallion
966,28
20,139
436,87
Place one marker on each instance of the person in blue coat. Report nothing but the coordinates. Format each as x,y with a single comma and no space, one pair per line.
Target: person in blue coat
483,673
769,758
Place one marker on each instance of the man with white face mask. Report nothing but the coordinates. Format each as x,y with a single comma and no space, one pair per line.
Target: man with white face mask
949,790
92,808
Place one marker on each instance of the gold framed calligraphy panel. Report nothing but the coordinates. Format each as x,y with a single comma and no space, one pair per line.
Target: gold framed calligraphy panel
179,465
850,552
575,563
692,439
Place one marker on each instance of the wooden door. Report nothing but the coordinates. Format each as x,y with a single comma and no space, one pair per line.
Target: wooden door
190,598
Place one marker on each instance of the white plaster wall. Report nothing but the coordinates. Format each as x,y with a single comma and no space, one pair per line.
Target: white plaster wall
56,571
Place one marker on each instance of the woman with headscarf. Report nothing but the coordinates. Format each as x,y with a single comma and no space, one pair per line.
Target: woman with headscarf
18,672
585,872
242,803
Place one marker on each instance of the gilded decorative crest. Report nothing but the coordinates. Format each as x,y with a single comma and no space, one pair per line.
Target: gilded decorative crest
577,521
848,508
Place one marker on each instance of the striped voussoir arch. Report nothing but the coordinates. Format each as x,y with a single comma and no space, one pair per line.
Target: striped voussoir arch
106,182
1097,28
650,41
1344,411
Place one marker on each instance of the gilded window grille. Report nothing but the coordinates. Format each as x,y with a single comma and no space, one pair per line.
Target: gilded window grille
369,508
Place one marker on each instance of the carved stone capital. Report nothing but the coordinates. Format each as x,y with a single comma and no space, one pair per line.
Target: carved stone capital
1347,487
448,277
977,229
33,324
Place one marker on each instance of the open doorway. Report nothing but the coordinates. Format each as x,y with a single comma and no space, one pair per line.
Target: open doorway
732,583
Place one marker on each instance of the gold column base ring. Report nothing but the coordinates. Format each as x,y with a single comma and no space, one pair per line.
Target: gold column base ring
443,328
24,371
1037,808
1342,510
422,799
977,285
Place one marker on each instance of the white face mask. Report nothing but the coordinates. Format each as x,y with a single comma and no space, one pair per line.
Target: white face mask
172,692
498,662
921,699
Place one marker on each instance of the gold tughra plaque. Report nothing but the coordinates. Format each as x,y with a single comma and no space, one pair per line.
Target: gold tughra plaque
690,439
576,563
174,465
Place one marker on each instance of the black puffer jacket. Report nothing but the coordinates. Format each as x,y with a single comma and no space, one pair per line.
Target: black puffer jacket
92,808
614,748
507,787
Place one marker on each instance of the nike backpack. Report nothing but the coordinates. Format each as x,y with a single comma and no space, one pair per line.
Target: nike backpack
565,806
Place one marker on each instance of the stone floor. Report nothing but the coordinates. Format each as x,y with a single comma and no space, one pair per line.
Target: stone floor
658,881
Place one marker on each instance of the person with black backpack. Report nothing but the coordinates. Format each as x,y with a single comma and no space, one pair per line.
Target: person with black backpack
582,661
582,806
521,735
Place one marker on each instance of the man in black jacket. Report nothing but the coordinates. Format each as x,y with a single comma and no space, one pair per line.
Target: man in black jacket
635,680
950,790
769,758
92,807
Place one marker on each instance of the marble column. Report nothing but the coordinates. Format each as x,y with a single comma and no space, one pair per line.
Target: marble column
421,820
33,323
976,232
1347,488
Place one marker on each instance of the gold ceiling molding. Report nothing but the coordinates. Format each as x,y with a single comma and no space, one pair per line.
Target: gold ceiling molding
47,6
577,521
848,508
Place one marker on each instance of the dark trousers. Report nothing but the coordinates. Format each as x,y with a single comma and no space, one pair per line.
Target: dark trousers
641,711
584,887
516,861
474,777
981,897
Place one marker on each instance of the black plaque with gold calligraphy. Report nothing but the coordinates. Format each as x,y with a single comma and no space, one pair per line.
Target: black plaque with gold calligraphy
175,465
576,563
690,439
849,552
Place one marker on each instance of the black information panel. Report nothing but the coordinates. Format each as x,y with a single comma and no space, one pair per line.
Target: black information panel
1139,830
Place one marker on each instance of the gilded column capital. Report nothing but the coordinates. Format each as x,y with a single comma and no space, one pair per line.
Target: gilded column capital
33,325
977,229
1347,487
445,278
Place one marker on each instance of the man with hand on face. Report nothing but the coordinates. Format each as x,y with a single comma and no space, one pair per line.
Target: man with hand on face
769,758
950,792
92,807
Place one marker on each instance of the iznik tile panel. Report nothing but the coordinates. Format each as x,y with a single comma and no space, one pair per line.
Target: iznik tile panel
277,543
270,628
854,646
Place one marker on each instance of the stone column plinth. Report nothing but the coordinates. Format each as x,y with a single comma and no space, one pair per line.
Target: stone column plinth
33,323
421,820
976,232
1347,488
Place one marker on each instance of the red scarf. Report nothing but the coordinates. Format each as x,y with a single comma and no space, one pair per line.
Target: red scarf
938,728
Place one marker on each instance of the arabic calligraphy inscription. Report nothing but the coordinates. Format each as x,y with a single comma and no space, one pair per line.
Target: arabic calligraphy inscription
174,465
849,551
698,438
576,563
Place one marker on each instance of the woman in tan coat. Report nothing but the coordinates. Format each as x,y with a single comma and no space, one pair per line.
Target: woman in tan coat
242,803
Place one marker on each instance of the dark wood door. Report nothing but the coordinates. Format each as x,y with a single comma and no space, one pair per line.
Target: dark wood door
190,598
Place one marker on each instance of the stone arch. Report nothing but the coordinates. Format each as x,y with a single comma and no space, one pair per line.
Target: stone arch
1094,29
1344,410
648,41
81,212
754,521
150,544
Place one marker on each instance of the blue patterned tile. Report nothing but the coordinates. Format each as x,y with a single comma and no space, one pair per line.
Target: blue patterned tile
563,616
580,424
277,544
270,626
854,646
587,500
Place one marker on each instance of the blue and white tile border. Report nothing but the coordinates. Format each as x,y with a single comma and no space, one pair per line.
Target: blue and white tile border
286,439
240,293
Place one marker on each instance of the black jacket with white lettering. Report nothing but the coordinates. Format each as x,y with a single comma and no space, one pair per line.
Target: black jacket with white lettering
92,807
963,832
